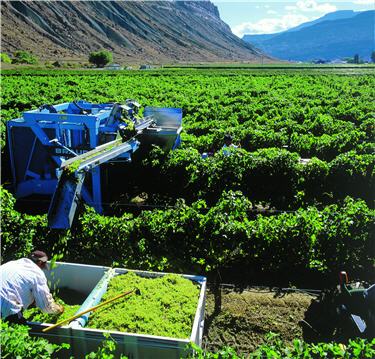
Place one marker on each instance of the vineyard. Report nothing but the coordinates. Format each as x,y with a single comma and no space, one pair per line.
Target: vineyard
293,204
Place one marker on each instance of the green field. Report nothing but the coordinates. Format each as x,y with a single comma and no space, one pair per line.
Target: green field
276,119
292,205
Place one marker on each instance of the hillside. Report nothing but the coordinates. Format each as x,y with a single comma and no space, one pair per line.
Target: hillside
330,37
156,31
257,39
336,15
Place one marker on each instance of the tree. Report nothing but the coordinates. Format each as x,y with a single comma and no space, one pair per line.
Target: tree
5,58
373,57
100,58
356,59
24,57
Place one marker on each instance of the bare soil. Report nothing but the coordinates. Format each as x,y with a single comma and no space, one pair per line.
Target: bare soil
241,319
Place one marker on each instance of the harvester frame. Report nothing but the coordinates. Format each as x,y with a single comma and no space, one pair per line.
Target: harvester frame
53,148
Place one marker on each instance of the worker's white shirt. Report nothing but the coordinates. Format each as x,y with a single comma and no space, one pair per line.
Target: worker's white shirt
226,148
22,282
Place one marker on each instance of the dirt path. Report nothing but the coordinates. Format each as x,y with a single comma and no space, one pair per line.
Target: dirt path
241,319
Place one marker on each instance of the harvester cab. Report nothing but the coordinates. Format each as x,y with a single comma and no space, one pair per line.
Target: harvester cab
57,150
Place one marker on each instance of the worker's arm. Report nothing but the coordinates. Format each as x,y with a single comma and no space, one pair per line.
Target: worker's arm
43,297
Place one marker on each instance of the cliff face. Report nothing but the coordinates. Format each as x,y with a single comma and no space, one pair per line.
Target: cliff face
159,31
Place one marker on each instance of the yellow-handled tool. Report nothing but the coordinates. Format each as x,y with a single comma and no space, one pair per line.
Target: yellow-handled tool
90,309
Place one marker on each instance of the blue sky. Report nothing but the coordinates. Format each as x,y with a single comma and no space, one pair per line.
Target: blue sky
265,17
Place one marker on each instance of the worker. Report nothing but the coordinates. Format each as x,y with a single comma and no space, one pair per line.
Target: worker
228,143
23,282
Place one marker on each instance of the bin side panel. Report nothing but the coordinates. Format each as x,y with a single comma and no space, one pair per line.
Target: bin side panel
80,277
83,341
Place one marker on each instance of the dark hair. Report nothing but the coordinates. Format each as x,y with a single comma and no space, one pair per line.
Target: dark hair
228,137
38,256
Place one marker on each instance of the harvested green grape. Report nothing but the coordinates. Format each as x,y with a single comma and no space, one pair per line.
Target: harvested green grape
166,306
36,315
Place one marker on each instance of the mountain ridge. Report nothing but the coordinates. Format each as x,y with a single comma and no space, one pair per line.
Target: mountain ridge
336,15
159,31
328,38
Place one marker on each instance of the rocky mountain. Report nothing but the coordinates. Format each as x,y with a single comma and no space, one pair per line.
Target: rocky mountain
154,31
335,35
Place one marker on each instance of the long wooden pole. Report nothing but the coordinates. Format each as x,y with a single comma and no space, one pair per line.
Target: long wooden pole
88,310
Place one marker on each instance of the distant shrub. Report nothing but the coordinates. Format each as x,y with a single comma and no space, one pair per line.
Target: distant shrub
70,65
56,64
100,58
24,57
48,65
4,58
